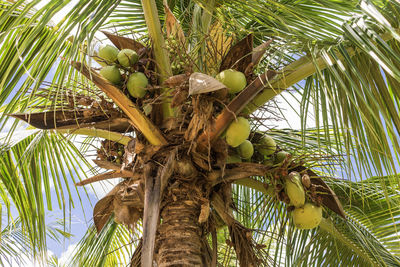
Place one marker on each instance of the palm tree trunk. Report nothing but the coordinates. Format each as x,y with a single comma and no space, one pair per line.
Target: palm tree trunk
180,241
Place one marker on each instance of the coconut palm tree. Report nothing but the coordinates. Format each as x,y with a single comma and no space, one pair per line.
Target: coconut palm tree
192,191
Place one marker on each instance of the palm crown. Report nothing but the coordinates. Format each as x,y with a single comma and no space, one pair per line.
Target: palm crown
181,195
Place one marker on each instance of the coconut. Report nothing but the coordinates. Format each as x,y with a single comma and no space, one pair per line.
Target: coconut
246,149
234,80
281,156
233,159
307,217
294,189
109,53
137,83
112,74
237,132
127,57
266,146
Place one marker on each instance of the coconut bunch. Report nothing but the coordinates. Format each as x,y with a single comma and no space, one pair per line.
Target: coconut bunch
115,62
238,132
110,151
294,189
291,189
306,213
180,61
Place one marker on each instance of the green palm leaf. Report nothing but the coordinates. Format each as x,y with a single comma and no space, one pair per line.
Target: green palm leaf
29,170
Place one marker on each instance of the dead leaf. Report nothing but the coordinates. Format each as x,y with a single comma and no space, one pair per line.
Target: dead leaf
107,164
132,195
123,42
175,80
102,212
173,27
108,175
204,212
180,97
200,83
62,119
259,51
239,56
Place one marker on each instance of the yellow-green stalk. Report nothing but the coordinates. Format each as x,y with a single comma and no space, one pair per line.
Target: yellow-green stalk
161,57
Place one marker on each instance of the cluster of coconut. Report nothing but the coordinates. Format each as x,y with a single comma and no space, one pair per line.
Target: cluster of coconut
238,131
306,215
114,61
178,59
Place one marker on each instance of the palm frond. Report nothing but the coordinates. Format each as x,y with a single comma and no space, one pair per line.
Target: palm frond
113,246
369,236
15,246
354,56
30,48
30,169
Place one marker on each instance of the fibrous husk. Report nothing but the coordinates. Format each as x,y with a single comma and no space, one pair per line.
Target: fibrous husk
241,237
203,110
125,200
124,214
244,245
185,168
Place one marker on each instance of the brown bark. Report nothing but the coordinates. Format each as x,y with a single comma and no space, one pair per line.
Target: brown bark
180,241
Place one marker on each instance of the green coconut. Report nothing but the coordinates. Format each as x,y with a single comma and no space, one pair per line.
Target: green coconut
266,146
307,217
281,156
234,80
137,83
109,53
112,74
237,132
127,57
233,159
246,149
294,189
